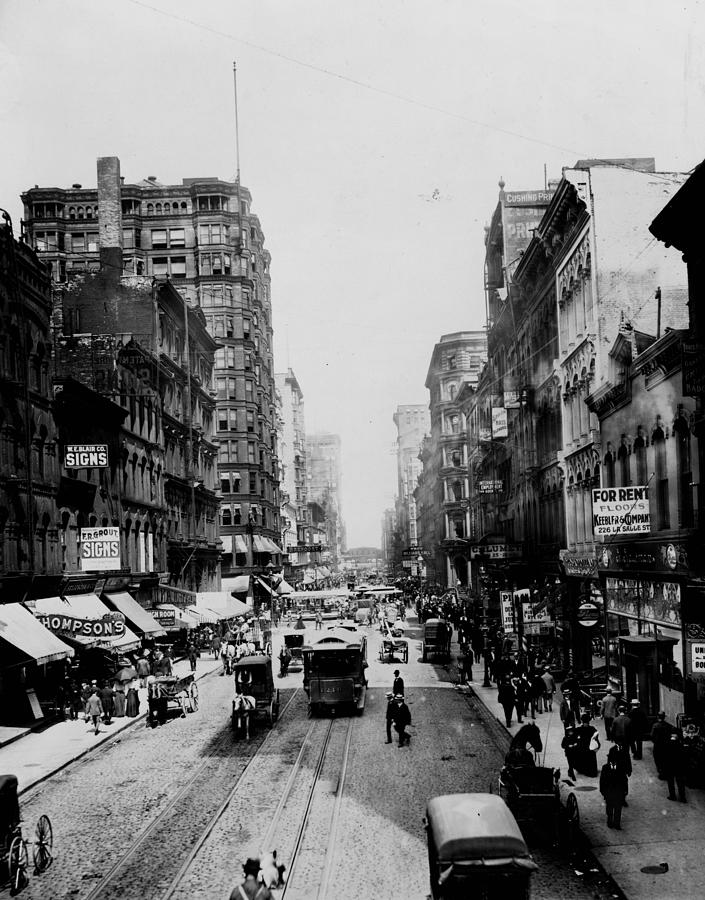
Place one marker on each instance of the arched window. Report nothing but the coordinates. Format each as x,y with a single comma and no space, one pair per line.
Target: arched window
608,480
623,459
685,474
658,439
640,452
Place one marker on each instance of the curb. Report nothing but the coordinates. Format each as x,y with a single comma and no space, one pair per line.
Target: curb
107,739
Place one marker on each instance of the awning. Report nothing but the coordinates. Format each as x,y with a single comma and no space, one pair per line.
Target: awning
202,615
267,588
85,619
135,614
172,617
223,605
271,546
20,628
240,584
227,541
258,544
284,588
240,544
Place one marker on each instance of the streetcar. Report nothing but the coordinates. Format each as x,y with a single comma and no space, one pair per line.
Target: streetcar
334,670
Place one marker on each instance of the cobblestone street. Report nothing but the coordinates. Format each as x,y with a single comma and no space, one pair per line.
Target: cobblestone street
172,812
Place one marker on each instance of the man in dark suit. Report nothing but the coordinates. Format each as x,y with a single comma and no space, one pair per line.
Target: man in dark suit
402,719
398,685
614,788
389,716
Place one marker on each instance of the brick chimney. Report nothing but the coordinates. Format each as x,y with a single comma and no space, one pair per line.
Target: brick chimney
110,215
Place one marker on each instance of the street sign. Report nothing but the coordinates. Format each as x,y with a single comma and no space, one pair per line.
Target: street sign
588,614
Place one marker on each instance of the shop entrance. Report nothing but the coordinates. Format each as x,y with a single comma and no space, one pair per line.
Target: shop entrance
642,657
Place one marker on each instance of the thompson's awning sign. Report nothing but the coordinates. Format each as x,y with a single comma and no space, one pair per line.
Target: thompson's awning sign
622,510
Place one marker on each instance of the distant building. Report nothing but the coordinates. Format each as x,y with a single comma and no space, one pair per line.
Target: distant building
443,520
324,473
413,423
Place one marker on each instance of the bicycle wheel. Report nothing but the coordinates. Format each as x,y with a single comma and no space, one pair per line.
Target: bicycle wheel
17,861
43,844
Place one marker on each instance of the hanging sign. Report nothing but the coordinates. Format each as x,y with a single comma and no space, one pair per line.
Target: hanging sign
622,510
86,456
100,549
698,658
499,422
506,604
588,614
110,625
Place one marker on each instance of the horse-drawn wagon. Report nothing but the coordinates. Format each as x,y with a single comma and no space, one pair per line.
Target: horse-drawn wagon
532,792
437,634
170,691
255,693
14,855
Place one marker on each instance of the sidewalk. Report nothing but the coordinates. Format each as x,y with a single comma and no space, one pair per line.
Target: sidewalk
35,755
654,830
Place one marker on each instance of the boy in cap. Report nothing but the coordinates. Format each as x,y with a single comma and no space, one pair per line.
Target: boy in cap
389,716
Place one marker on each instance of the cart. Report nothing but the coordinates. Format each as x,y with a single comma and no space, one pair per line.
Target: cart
253,677
436,639
14,854
533,795
170,691
475,849
393,648
294,641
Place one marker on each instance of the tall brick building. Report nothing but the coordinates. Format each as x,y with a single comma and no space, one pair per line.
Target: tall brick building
202,237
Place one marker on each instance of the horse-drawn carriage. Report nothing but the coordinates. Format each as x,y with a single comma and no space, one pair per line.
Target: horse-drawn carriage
255,693
163,691
393,647
437,634
14,856
532,792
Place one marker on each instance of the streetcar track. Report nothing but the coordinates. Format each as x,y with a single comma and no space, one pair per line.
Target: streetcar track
138,844
301,831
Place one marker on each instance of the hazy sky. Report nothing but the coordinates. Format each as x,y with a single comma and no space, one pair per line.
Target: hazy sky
372,134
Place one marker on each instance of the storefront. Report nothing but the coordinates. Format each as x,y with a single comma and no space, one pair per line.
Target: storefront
643,584
583,645
33,665
99,634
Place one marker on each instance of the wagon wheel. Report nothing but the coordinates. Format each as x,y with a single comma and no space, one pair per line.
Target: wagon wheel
572,822
17,861
43,845
193,695
275,707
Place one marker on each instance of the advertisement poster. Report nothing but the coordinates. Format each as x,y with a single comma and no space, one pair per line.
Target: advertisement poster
506,603
499,422
622,510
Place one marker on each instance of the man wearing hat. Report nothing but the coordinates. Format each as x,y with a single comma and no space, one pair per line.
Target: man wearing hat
660,735
398,685
608,706
640,726
402,719
389,716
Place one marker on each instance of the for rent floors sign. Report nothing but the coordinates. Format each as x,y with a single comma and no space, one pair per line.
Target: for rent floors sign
622,510
100,549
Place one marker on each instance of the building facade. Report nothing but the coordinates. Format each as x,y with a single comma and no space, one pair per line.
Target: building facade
442,492
324,473
201,236
412,424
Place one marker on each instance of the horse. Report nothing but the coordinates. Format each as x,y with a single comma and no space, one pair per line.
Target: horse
519,754
243,705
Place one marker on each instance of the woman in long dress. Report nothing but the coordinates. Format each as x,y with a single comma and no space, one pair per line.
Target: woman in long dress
585,759
119,701
132,704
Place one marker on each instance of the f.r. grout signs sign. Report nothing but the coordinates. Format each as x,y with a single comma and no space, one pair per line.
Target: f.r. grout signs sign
622,510
100,549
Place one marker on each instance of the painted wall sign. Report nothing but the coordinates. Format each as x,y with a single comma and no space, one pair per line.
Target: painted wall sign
100,549
86,456
620,511
499,422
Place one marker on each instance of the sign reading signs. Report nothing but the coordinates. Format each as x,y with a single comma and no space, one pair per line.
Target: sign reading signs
499,422
100,549
110,625
622,510
86,456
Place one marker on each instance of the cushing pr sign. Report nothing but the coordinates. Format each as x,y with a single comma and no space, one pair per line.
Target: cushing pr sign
621,511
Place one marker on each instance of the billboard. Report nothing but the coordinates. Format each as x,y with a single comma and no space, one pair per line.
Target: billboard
100,549
622,510
521,214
